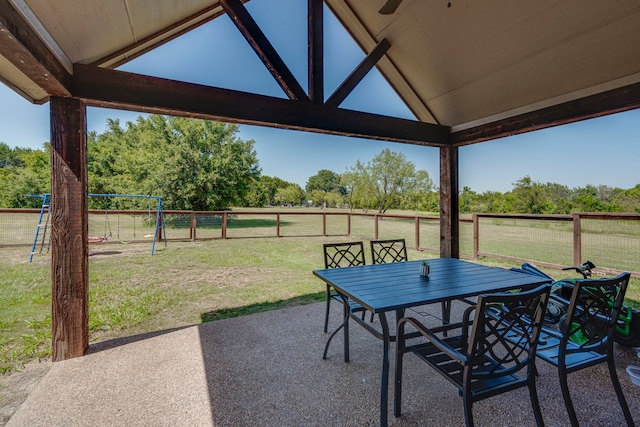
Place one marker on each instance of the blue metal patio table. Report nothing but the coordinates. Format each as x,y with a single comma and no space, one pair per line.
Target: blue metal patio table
394,287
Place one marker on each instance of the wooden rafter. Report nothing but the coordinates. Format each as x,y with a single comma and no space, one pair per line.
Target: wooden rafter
601,104
316,51
358,74
263,47
26,51
117,89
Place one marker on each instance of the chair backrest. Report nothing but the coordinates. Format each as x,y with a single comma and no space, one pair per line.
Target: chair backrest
386,251
593,313
504,334
338,255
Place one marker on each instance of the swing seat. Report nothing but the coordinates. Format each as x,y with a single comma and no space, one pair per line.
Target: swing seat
93,239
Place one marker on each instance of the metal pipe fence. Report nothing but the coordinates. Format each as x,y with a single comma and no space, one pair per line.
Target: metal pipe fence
611,241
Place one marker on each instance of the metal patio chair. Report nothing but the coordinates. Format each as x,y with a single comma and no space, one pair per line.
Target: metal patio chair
481,361
341,255
386,251
586,335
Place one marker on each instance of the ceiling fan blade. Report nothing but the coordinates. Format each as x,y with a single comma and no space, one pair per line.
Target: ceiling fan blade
390,7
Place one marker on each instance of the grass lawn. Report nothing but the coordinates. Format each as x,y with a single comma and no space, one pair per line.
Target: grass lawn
184,283
132,292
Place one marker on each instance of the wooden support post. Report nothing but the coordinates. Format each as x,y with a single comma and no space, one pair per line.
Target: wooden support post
417,229
449,207
69,229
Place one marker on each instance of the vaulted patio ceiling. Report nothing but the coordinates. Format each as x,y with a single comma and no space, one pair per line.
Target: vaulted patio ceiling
480,69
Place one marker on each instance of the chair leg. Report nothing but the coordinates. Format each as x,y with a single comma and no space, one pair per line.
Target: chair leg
446,315
535,403
564,386
345,326
326,313
397,384
468,413
346,331
618,388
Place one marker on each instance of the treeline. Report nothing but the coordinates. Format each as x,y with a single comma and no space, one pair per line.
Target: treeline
203,165
532,197
192,164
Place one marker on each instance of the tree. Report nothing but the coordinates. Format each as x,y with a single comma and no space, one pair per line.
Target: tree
8,157
627,200
25,171
292,195
586,199
193,164
531,197
264,189
359,185
325,180
326,187
561,197
383,182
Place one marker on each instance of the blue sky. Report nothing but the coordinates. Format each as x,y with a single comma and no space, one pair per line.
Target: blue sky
603,151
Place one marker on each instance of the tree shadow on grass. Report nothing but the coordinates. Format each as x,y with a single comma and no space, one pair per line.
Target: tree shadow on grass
227,313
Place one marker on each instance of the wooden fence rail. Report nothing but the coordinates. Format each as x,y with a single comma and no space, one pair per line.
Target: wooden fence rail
610,240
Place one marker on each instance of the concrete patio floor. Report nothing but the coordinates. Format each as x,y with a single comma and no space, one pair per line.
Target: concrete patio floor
267,370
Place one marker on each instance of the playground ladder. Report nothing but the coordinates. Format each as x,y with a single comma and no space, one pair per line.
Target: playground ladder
44,226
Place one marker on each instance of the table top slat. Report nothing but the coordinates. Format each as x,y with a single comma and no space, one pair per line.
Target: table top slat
385,287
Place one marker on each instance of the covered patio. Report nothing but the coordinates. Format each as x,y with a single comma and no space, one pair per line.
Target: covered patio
266,369
469,72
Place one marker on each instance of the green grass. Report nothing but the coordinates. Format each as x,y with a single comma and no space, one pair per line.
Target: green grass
186,283
131,292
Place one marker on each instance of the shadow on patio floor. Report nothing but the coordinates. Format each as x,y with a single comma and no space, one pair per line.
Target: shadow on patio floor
266,369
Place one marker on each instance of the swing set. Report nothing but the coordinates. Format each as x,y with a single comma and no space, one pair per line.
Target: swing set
154,220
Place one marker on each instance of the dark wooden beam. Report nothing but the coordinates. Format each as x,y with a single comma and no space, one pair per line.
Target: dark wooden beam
25,50
449,205
117,89
316,50
601,104
69,229
358,74
265,50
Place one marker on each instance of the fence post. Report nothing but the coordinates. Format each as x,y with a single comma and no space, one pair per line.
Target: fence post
376,226
324,224
278,224
192,226
577,239
349,223
417,233
476,236
224,225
